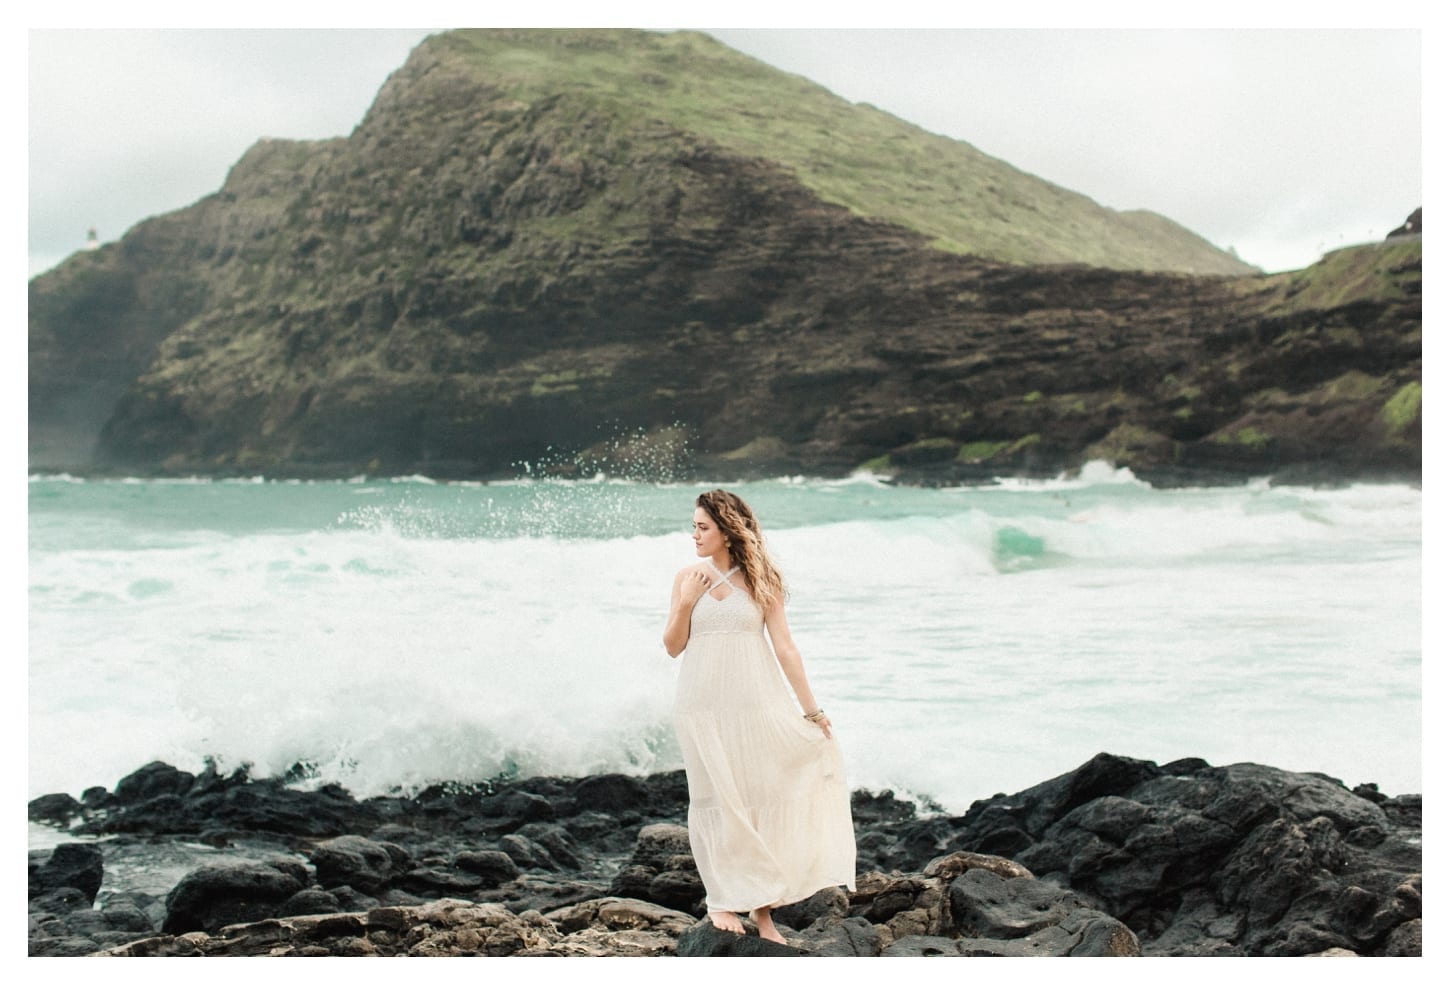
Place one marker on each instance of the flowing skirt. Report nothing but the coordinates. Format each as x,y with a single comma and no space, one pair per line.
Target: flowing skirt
770,814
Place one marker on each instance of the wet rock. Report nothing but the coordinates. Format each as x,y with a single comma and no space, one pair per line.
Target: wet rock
656,844
125,916
985,905
1405,941
922,946
829,902
444,928
545,892
350,860
153,780
61,947
54,808
618,926
60,901
704,940
950,866
1275,868
349,900
518,807
96,798
309,901
493,868
1187,858
526,854
677,889
632,881
213,896
555,843
835,936
1243,859
662,870
440,881
1082,933
74,864
611,793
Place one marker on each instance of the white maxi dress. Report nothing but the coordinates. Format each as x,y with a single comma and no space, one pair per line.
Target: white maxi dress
770,815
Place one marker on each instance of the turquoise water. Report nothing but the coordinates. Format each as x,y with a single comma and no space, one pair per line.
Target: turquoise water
391,633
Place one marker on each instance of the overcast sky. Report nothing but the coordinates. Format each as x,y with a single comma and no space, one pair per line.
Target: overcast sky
1281,144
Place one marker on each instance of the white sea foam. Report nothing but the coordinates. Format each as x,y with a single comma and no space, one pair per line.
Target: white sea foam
964,643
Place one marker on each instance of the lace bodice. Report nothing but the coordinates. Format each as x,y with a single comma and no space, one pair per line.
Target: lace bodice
735,613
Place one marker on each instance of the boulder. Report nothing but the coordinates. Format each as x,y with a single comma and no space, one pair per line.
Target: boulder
705,940
54,808
61,947
494,868
350,860
214,896
656,844
435,882
985,906
614,913
517,807
1082,933
922,946
153,780
1275,868
1405,941
74,864
125,915
59,902
662,870
829,902
556,843
839,937
678,890
611,793
309,901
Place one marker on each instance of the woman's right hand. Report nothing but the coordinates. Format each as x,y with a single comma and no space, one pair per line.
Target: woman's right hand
692,586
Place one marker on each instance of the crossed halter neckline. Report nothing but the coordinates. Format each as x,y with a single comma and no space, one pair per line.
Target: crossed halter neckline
724,579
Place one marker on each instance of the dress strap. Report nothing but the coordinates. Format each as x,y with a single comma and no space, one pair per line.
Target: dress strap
721,577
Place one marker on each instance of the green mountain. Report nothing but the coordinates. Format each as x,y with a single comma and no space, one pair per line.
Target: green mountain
848,154
627,250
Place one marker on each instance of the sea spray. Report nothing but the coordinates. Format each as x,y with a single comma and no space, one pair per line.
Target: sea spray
390,634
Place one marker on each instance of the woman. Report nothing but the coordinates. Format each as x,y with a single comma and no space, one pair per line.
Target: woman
770,815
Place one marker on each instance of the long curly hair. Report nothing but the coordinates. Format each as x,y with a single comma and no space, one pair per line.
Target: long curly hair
737,522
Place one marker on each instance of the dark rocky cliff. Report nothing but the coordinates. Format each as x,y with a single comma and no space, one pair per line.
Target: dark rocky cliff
490,271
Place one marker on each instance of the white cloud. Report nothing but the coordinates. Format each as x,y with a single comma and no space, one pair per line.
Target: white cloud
1281,144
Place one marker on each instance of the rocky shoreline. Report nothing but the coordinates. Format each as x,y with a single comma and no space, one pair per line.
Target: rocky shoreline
1118,857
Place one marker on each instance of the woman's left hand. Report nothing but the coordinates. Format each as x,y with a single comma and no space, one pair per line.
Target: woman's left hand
824,724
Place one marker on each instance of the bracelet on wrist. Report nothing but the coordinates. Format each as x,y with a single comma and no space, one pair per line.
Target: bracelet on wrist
816,715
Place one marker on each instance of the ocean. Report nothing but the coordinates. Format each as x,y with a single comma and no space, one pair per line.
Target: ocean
387,634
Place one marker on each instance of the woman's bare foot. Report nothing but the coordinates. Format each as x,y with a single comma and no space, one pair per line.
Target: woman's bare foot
727,921
765,925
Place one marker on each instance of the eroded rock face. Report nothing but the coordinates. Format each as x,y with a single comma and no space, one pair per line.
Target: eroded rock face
472,279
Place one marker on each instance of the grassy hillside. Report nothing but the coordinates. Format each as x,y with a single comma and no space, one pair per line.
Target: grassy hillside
850,154
536,242
1362,273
